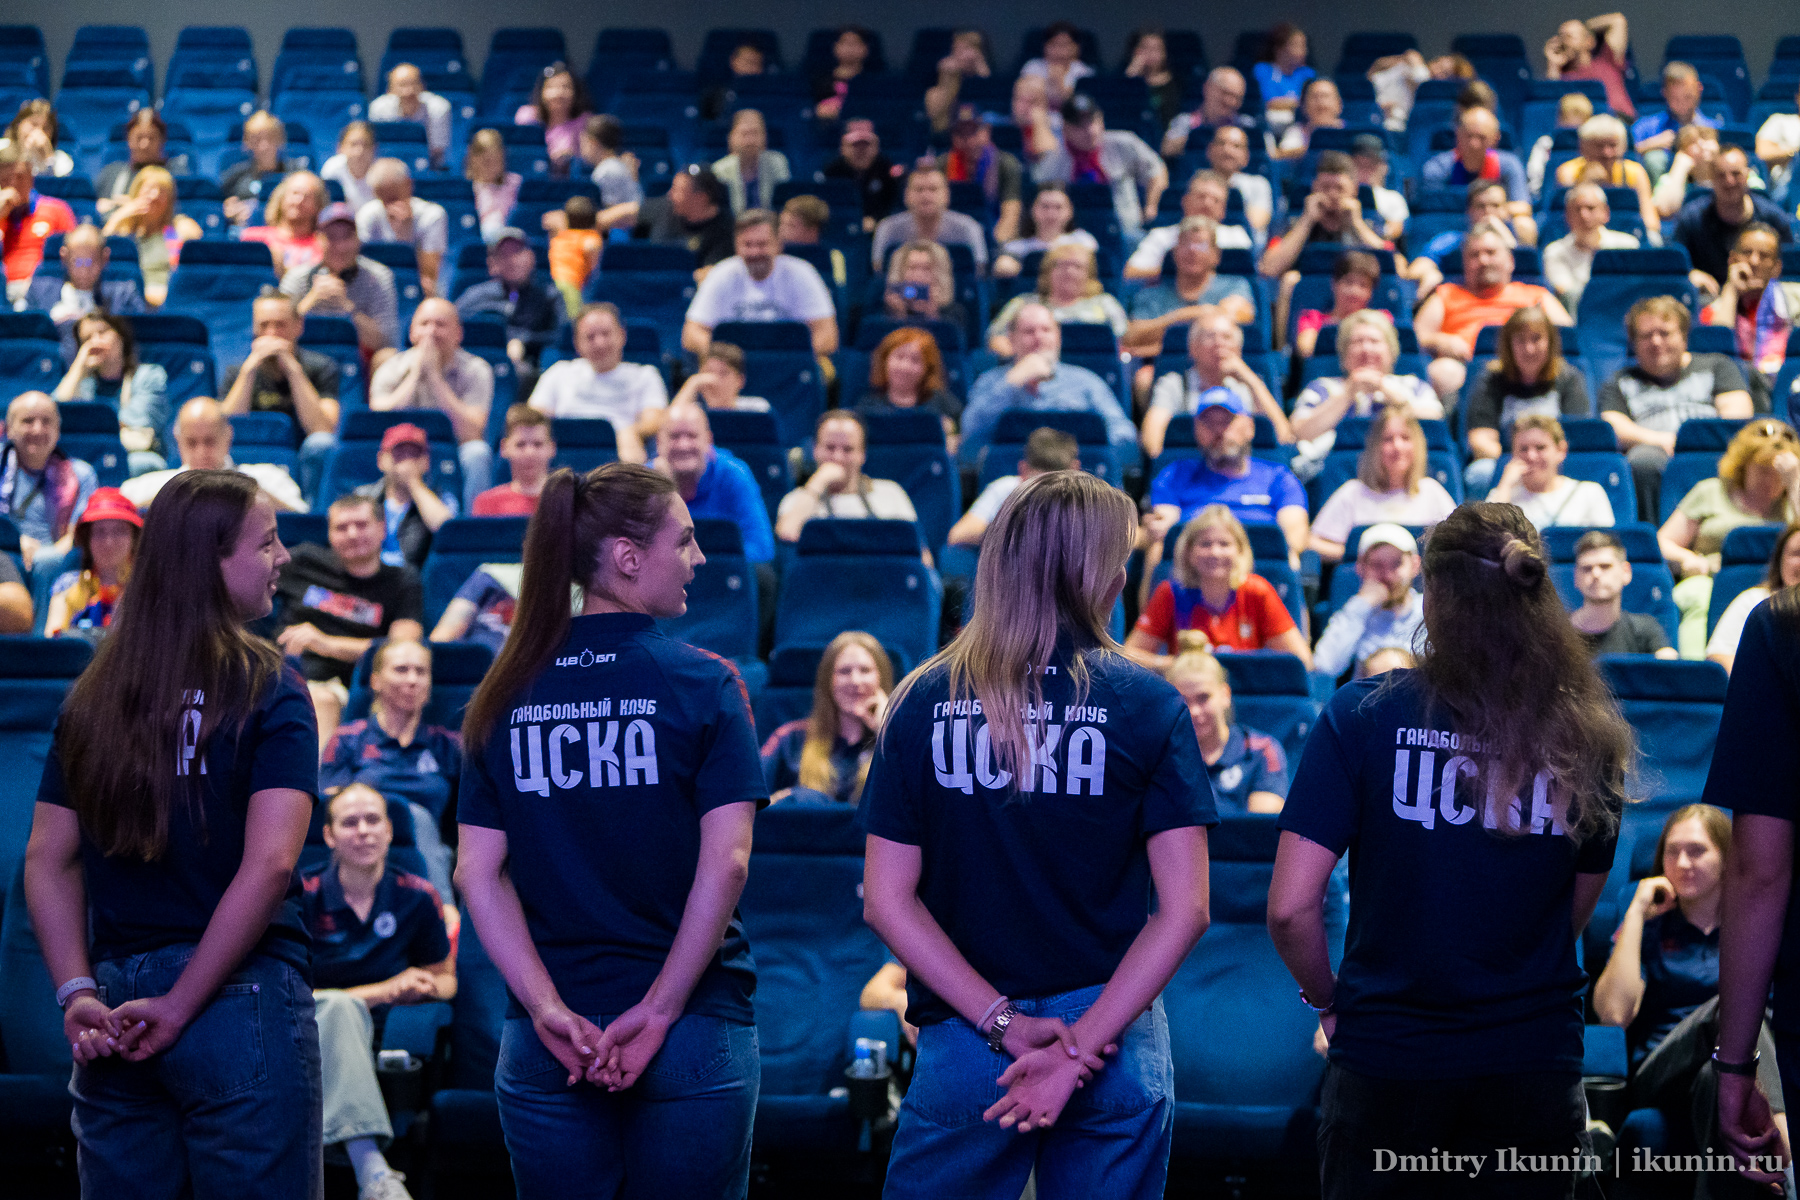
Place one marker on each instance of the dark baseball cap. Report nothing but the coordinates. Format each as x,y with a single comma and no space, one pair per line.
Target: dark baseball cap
1079,109
1368,145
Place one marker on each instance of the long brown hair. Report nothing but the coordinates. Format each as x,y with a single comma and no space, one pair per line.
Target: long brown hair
1521,320
576,515
1713,820
1369,468
175,633
816,771
1501,656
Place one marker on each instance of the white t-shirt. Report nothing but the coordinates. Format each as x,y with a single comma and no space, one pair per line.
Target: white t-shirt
1577,502
792,292
1567,266
881,498
357,192
1730,629
572,388
431,225
1391,205
1783,129
1158,242
433,114
1357,504
1255,190
987,505
1178,393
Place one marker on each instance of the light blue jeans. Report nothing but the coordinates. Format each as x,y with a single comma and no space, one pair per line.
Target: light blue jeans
1111,1141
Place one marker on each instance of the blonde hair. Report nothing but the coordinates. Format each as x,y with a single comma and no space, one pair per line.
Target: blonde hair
482,142
943,276
1756,445
1368,467
149,224
816,771
1196,664
1050,565
1544,423
1374,318
1574,107
1213,516
273,212
1056,254
1602,125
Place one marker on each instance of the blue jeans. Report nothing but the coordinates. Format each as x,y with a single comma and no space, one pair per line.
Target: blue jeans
682,1130
1112,1140
477,463
315,452
232,1109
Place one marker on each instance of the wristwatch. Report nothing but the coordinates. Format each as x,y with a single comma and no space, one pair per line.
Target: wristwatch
996,1033
1736,1068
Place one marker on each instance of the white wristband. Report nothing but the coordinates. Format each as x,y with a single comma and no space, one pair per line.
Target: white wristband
78,984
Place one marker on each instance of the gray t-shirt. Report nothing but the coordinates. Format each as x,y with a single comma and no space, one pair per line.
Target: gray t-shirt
370,289
956,229
1662,407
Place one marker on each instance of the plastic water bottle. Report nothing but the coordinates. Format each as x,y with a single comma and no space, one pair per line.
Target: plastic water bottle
864,1067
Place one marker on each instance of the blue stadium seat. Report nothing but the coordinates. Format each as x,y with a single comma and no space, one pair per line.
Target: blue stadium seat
93,99
722,602
1698,444
121,265
1744,562
77,191
265,437
297,529
788,694
403,261
335,337
1269,692
1016,425
215,282
201,199
755,438
210,112
182,347
22,48
30,354
539,196
908,448
406,141
1620,279
34,1088
863,574
655,284
323,110
35,674
352,464
1675,709
458,199
467,1148
779,365
436,50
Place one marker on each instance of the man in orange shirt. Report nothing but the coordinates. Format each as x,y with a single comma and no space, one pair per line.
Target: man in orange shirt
1455,312
26,221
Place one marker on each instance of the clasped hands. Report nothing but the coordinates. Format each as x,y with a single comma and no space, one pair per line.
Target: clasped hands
614,1058
1048,1065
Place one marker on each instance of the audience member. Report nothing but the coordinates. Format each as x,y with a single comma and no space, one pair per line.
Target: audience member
1758,483
243,183
1282,73
1248,770
974,158
1534,481
146,137
850,55
877,177
83,600
713,481
1391,485
203,442
1593,49
1602,160
694,213
437,373
560,104
148,217
292,232
600,383
1354,277
1368,154
1045,450
838,488
1367,349
33,131
42,489
1038,121
827,752
528,445
83,286
1059,63
746,62
968,58
1646,403
1385,612
719,383
927,218
1476,156
1091,153
760,284
1572,111
379,939
346,284
1450,318
1197,285
396,215
356,151
1396,79
27,219
1602,573
407,100
615,169
1147,58
1068,284
906,372
1569,260
1388,658
1783,572
106,370
1228,155
1696,155
1256,492
1776,144
393,750
921,286
412,511
1216,354
1205,196
331,603
1052,223
751,171
1708,225
1038,380
532,312
496,188
482,609
1758,311
1653,135
285,377
1221,107
1214,600
1321,107
1332,215
1529,375
574,250
1487,203
17,614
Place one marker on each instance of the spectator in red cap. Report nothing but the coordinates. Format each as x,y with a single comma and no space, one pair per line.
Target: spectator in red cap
413,511
107,536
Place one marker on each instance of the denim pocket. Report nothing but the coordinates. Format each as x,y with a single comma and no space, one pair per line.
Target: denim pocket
1138,1076
220,1055
524,1058
695,1049
954,1076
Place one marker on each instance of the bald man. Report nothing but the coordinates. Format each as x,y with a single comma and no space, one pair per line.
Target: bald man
438,373
203,438
714,482
1477,156
396,215
81,289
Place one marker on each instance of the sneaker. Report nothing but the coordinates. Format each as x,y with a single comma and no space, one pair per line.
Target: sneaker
388,1186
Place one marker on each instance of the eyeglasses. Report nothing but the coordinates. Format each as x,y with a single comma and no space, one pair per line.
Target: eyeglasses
83,263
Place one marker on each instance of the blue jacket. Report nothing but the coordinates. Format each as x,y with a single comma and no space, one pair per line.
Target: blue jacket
1071,389
727,490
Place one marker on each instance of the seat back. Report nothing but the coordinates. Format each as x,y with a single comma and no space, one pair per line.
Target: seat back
1269,693
30,354
1744,562
35,674
459,546
908,448
779,365
1675,708
1620,279
861,574
756,439
721,600
182,347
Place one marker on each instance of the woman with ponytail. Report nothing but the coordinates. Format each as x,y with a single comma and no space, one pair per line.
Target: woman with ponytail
609,785
1029,785
160,873
1479,794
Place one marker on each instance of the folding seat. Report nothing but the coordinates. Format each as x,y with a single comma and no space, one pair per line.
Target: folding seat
539,196
93,99
619,40
35,674
1620,279
1269,693
1698,445
458,548
30,354
121,265
333,46
352,464
722,602
1674,707
653,283
714,64
864,574
335,337
34,1086
1362,49
1314,288
265,437
1031,46
929,46
1538,115
514,60
182,347
90,432
1776,95
210,102
780,366
1016,426
788,694
818,59
325,110
215,282
1720,56
755,437
22,48
406,141
434,51
1095,348
908,448
1744,562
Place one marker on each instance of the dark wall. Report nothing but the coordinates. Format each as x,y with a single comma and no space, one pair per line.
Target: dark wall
1758,22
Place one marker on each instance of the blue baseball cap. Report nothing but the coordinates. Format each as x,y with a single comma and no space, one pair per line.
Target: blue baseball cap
1221,397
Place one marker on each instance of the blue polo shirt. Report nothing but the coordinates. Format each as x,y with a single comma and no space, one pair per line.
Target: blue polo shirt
1252,762
1680,966
1645,128
727,490
1042,883
598,774
424,773
1265,490
135,906
1460,956
405,929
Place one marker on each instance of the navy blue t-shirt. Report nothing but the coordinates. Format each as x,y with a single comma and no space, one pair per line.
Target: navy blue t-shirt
1460,958
423,773
598,775
1756,761
1041,890
137,906
1680,966
405,929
